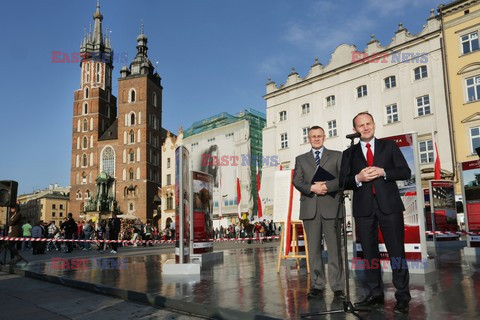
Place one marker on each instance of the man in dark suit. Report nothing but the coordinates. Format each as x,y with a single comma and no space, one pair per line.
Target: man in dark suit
373,167
318,210
115,225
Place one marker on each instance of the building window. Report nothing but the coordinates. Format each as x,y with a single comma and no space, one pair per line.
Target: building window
475,138
132,136
87,194
86,92
305,108
85,107
330,101
61,214
98,72
130,174
79,195
473,88
283,141
84,143
85,125
362,91
131,156
423,105
211,140
392,113
131,207
332,128
390,82
426,151
54,206
283,115
168,163
169,179
169,203
470,42
84,160
154,99
108,161
53,214
88,72
61,206
420,72
305,134
229,135
84,178
132,95
132,119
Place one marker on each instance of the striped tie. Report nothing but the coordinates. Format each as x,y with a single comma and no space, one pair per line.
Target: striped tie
317,158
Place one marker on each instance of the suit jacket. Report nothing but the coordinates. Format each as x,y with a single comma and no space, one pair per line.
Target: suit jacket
310,203
387,156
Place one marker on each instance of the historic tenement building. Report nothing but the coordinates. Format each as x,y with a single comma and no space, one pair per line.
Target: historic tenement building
116,149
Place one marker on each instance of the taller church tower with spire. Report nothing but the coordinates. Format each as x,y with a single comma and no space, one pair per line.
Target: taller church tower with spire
115,159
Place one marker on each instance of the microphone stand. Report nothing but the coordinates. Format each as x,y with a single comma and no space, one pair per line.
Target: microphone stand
347,304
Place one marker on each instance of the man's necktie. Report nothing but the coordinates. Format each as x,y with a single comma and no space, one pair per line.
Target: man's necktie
370,161
317,158
369,155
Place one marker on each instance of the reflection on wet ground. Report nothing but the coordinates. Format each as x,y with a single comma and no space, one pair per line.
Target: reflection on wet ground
247,280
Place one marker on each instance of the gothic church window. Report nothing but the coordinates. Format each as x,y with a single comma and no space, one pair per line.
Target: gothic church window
132,95
132,119
84,160
132,136
108,161
85,125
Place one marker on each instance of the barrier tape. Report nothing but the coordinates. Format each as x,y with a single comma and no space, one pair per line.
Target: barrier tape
453,232
131,241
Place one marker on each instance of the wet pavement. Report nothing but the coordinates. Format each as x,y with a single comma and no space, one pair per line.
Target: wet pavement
246,285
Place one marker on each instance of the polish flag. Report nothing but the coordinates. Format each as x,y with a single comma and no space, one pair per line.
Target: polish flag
239,197
436,157
259,199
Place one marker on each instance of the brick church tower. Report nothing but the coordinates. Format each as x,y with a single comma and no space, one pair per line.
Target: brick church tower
94,110
115,160
139,134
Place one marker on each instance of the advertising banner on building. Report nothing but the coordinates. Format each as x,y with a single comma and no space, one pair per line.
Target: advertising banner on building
182,205
443,209
202,185
470,173
412,197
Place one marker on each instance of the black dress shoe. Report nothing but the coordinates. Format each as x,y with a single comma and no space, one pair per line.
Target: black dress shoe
339,294
315,294
371,301
401,307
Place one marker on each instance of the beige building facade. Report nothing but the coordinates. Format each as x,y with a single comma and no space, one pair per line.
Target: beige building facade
461,29
400,84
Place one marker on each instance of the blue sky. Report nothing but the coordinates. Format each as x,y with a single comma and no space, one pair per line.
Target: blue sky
213,56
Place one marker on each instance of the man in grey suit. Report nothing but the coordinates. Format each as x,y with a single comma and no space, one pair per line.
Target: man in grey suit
318,210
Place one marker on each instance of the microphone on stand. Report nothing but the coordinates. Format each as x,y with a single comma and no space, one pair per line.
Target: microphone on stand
353,135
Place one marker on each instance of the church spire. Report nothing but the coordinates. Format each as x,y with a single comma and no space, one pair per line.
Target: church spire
97,30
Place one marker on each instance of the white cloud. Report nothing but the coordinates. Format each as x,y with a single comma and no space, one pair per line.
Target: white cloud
273,66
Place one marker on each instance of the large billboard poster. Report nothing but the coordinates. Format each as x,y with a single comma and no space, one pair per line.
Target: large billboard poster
415,245
224,158
202,184
443,208
471,193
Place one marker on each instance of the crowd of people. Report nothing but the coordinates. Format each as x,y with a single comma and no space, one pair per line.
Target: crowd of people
132,232
245,229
